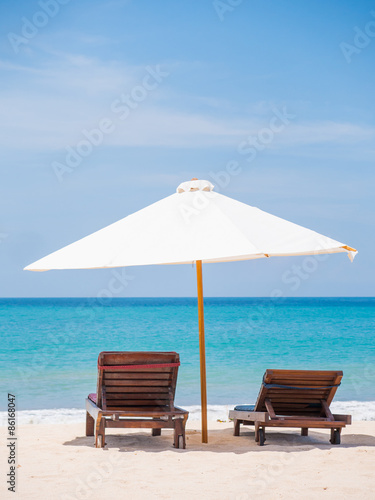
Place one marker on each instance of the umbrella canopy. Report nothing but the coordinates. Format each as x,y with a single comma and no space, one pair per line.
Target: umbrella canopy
194,225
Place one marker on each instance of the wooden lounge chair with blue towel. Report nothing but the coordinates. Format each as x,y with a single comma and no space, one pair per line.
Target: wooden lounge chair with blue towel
136,390
293,398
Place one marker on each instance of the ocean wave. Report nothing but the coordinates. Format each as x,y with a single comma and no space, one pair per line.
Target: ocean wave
360,410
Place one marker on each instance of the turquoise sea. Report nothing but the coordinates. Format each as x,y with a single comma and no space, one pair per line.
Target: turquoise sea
50,346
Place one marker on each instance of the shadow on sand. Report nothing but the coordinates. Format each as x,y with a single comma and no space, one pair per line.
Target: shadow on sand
223,441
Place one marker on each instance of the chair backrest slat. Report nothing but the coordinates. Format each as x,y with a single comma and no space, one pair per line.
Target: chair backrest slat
297,392
132,382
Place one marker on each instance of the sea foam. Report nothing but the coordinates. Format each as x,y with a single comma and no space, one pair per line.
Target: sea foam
360,410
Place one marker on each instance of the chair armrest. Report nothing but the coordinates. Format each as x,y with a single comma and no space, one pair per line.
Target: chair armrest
343,418
92,409
250,416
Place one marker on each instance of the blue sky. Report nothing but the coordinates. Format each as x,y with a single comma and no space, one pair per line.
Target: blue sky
224,71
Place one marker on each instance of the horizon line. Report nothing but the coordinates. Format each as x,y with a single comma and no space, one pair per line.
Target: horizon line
206,297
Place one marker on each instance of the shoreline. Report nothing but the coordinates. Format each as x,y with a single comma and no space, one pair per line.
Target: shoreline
361,411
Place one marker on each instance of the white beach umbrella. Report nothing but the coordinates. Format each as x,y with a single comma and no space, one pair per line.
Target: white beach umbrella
194,225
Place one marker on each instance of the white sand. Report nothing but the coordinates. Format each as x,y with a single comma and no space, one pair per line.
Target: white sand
57,461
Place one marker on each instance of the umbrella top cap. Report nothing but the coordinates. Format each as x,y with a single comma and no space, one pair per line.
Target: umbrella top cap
194,185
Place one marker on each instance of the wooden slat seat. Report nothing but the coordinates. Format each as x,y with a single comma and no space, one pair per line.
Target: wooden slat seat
136,389
293,398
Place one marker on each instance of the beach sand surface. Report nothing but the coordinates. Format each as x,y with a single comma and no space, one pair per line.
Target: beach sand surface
57,461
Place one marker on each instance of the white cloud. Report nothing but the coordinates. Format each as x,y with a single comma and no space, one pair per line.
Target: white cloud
323,132
47,107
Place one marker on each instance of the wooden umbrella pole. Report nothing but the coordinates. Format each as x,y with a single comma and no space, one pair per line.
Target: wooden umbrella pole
202,351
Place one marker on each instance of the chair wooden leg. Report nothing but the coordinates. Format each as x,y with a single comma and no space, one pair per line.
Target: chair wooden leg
90,425
179,433
184,420
256,432
237,424
100,434
335,436
332,436
304,431
155,432
338,436
261,436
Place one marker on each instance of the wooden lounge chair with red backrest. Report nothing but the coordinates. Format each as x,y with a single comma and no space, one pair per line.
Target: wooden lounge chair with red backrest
293,398
136,389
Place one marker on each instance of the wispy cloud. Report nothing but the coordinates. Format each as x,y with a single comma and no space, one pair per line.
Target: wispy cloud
55,101
324,132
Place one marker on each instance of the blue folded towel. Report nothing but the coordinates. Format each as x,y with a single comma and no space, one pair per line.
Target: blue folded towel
244,407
